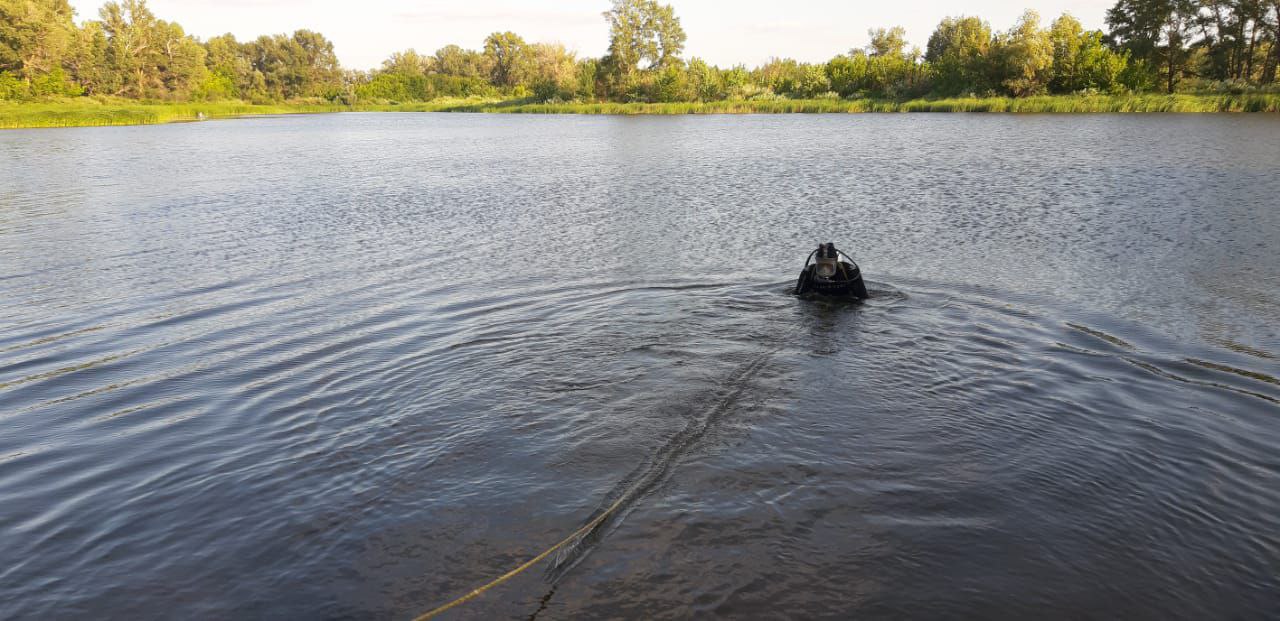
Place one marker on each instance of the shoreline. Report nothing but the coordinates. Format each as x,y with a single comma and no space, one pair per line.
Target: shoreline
92,113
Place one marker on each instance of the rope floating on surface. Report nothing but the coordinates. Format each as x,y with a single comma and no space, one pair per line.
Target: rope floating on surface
478,591
655,473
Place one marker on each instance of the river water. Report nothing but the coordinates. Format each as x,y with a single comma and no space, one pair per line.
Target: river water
353,366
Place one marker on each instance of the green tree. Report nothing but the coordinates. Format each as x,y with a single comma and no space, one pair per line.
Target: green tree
887,42
149,56
215,87
34,36
318,64
849,75
780,75
1139,76
1231,34
672,84
87,60
409,62
1081,60
793,79
1067,36
739,83
641,31
128,26
54,83
404,76
1159,31
705,81
11,87
886,75
179,60
301,65
813,82
552,72
1098,66
1025,55
958,53
1272,59
586,77
396,86
231,70
507,54
456,61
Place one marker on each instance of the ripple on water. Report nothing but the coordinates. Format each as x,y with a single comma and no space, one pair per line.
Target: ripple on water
266,376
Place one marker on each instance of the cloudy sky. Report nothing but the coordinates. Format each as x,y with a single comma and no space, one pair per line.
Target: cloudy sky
724,32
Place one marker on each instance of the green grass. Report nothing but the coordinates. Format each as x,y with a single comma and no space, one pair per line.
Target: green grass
78,113
1045,104
85,111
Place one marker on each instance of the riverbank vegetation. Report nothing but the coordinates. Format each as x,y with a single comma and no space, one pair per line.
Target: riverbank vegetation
130,66
1038,104
84,111
81,112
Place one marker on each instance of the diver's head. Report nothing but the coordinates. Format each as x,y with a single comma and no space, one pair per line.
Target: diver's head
827,260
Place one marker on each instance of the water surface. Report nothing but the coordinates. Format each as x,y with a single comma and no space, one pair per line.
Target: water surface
352,366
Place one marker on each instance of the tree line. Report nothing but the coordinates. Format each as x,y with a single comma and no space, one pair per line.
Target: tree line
1151,45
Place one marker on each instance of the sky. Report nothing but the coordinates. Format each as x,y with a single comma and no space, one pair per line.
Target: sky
725,32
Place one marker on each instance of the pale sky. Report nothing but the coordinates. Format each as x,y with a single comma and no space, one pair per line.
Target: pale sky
724,33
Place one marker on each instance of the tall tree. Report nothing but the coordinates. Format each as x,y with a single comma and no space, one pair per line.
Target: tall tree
890,42
1025,56
130,27
1230,33
1160,31
1272,19
508,57
318,64
453,60
1081,60
87,60
781,75
958,52
706,81
642,31
301,65
1066,35
409,62
179,60
552,71
232,70
34,35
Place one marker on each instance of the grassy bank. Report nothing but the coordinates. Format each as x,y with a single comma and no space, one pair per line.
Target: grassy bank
88,112
79,114
1047,104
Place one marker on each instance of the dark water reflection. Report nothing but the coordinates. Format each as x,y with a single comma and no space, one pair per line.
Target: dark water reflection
352,366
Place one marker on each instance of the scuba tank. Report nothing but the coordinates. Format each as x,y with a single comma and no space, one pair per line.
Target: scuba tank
829,276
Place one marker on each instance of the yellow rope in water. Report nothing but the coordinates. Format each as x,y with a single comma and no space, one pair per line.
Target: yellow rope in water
530,563
747,371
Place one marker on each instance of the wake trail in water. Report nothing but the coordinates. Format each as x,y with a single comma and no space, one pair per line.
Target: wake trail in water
573,549
647,478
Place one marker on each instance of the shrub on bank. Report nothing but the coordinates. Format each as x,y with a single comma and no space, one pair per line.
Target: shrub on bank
82,111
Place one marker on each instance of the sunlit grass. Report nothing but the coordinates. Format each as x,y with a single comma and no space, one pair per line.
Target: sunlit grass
1046,104
82,112
77,113
88,112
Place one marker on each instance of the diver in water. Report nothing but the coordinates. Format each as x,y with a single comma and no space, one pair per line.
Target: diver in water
830,276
